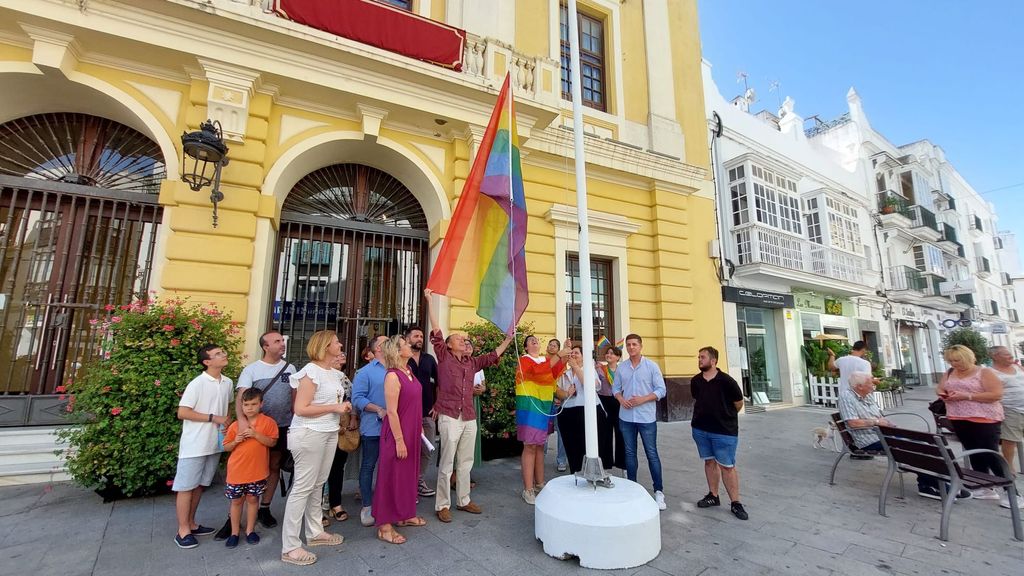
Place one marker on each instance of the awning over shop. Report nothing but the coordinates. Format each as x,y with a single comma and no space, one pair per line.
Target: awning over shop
382,26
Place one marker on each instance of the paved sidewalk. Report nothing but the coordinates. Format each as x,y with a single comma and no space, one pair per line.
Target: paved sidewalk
798,524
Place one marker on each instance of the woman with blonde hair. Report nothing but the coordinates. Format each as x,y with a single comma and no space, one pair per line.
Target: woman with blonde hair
398,466
972,394
313,439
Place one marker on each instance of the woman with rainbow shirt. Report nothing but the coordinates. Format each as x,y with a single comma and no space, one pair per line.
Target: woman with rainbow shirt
536,382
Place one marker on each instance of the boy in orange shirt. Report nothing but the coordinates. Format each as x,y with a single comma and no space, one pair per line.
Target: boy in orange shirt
248,465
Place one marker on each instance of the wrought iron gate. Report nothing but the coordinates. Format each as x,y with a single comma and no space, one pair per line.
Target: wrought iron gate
66,251
351,257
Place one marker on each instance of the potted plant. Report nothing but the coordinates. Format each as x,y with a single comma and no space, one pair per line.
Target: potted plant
125,401
889,204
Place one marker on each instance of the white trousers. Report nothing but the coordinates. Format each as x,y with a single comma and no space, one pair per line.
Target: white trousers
313,453
458,442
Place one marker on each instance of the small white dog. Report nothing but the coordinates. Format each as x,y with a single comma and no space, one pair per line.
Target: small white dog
823,434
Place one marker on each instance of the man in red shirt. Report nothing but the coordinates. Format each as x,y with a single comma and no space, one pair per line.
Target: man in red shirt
456,416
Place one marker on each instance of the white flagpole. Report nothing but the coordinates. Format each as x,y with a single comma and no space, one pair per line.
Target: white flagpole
592,469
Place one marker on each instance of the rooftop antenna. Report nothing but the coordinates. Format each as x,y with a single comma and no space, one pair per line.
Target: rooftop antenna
776,87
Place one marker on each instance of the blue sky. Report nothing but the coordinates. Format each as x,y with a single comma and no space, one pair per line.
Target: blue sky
943,70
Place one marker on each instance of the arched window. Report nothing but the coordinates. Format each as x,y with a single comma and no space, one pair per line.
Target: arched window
81,149
358,193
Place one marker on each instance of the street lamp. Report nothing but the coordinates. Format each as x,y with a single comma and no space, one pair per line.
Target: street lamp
203,154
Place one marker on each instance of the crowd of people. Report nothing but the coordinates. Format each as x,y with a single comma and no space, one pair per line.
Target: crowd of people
984,405
404,401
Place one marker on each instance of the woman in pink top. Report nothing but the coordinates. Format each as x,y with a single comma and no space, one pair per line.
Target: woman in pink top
972,394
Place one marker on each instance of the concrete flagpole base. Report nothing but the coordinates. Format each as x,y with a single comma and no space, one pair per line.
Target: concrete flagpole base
606,528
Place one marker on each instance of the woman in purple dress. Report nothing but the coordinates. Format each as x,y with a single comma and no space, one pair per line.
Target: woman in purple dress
398,468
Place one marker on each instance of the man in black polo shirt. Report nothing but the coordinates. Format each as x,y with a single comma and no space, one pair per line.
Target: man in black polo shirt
424,367
717,400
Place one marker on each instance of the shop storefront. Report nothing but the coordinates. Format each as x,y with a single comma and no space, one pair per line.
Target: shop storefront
759,343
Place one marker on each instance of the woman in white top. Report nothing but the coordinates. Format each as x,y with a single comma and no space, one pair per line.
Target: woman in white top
571,419
313,439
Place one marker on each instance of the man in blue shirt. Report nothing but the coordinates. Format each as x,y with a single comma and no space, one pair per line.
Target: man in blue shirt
368,398
638,386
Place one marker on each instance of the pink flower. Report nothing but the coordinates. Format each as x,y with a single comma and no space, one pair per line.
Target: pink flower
156,382
69,408
170,482
93,322
504,434
115,319
106,388
60,389
126,307
115,411
168,327
109,307
174,342
61,397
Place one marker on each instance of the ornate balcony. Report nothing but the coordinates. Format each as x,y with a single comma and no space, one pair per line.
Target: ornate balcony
923,221
906,278
760,245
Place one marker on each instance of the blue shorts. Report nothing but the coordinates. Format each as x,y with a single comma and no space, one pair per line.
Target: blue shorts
236,491
719,447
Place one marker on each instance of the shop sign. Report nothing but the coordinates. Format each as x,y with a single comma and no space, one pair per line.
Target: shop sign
833,307
302,310
908,312
810,303
957,287
761,298
810,322
1000,329
913,323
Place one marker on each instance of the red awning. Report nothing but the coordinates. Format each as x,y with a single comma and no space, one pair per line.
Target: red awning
382,26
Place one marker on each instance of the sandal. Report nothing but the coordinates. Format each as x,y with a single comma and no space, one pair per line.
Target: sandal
339,514
329,540
325,521
415,521
305,559
391,537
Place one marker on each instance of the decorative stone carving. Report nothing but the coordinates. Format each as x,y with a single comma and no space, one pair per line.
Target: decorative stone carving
227,101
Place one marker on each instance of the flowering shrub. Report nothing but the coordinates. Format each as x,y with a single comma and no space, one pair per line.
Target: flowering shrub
498,403
125,401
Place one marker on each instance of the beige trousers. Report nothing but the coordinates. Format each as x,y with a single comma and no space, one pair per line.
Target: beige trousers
458,440
313,453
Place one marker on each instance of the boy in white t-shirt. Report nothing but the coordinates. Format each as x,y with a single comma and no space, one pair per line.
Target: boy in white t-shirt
203,409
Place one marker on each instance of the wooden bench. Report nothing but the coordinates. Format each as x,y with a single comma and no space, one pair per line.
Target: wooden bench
850,447
929,454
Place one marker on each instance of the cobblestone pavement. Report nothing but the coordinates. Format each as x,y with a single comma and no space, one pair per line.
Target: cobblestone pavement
798,524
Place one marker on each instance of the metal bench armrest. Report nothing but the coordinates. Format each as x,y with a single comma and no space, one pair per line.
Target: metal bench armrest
1007,473
927,424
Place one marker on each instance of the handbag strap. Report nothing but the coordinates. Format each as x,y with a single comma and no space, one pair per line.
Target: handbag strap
276,377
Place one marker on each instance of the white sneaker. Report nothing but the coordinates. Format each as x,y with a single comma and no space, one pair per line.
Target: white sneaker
529,497
659,499
1004,501
366,516
985,494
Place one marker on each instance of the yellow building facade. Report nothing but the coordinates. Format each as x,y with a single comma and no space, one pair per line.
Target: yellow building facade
300,105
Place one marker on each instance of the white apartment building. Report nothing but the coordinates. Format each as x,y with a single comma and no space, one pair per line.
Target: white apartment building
798,254
1008,254
937,241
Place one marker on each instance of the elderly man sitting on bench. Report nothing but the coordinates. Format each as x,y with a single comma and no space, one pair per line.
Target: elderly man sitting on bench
858,408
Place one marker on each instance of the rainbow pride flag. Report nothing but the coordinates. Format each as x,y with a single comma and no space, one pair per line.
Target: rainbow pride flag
483,257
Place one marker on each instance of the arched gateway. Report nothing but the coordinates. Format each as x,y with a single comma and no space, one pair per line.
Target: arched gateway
78,227
352,256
